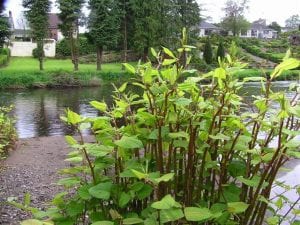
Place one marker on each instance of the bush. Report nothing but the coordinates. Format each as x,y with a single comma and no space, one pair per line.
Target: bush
176,152
8,134
208,52
36,53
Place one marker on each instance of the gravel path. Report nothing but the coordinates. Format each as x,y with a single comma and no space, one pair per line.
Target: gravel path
32,168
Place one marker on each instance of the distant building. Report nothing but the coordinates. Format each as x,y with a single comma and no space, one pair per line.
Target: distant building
259,29
207,29
54,31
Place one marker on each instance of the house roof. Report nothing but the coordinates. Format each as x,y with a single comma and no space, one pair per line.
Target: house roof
261,25
206,25
53,21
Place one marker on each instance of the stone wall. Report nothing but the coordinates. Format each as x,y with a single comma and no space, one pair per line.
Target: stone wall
24,49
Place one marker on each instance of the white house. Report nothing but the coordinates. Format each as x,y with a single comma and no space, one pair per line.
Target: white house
207,29
259,29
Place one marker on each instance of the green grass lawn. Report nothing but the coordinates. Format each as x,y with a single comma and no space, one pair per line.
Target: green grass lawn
27,64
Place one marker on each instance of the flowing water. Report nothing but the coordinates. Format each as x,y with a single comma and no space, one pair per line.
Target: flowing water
38,112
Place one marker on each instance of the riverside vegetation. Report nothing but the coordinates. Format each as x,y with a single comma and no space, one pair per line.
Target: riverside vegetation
178,151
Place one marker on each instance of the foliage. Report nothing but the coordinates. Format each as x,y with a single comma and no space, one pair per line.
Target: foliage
221,51
208,53
37,52
4,56
70,12
177,152
37,16
234,51
4,29
275,26
63,48
103,25
293,22
8,134
234,19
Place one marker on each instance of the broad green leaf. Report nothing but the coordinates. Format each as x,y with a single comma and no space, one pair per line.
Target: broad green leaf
220,136
183,101
83,193
97,150
179,135
167,62
129,142
153,52
69,182
72,117
123,87
103,223
169,52
197,214
124,199
101,191
101,106
129,68
273,220
164,178
139,174
129,221
220,73
169,215
251,182
167,202
70,140
237,207
144,192
32,222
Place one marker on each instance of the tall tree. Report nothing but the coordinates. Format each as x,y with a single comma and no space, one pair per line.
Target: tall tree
4,28
188,16
208,53
146,24
220,51
275,26
70,12
103,25
234,19
37,15
293,22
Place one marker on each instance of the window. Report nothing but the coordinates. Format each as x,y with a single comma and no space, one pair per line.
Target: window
207,32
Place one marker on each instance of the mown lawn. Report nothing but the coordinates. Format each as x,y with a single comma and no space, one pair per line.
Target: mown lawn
27,64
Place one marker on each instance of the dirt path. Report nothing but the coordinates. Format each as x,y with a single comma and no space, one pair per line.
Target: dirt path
31,168
260,62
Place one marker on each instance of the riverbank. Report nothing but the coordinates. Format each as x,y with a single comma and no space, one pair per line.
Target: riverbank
24,73
31,168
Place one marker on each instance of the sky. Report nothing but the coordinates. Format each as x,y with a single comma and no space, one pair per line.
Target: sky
271,10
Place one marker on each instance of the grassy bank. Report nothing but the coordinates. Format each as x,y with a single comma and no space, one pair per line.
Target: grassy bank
24,73
286,75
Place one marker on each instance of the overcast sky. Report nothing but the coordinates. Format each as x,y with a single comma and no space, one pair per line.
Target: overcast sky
271,10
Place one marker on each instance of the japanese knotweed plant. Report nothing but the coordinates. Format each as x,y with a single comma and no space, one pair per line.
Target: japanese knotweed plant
179,151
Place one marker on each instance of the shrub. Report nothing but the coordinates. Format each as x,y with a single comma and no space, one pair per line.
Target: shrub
8,134
36,53
177,152
221,51
208,52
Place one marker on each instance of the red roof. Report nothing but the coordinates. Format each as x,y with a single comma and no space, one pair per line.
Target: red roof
53,21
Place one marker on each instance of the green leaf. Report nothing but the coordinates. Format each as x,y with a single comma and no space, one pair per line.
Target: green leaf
167,202
164,178
144,192
72,117
139,174
167,62
103,223
98,150
123,87
220,136
83,193
254,182
129,221
153,52
183,101
197,214
69,182
32,222
101,191
129,68
179,135
237,207
169,52
101,106
70,140
129,142
124,199
169,215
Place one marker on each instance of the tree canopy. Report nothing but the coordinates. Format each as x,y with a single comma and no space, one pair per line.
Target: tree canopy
234,19
293,22
37,15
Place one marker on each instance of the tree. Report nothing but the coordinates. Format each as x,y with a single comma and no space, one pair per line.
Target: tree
188,14
293,22
207,53
70,12
4,29
37,15
234,19
146,24
103,25
275,26
221,51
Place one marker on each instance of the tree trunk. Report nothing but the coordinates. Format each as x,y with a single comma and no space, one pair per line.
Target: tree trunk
74,50
41,63
99,57
145,55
